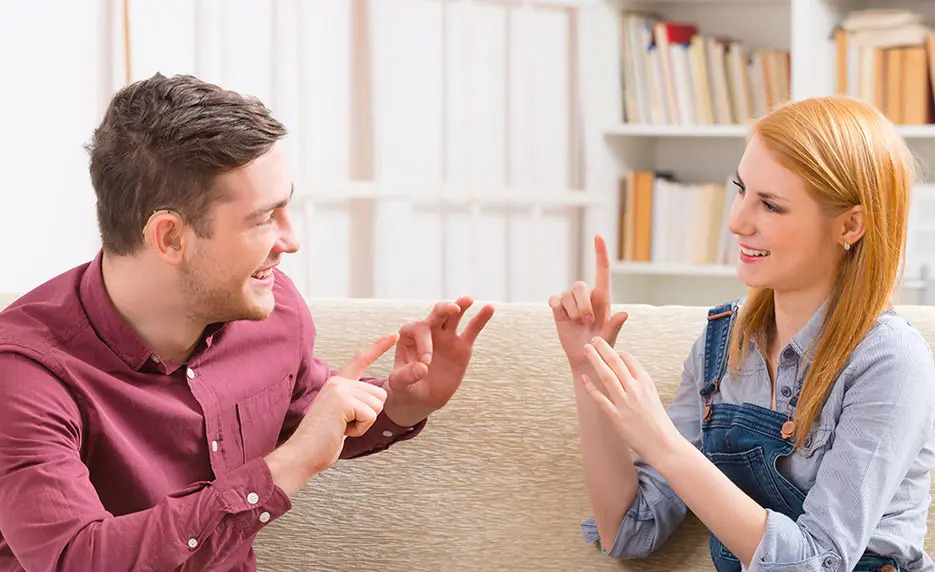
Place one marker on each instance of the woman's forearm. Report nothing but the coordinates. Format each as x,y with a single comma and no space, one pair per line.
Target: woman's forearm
609,474
735,518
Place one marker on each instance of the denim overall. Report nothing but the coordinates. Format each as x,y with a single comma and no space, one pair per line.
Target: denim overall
744,442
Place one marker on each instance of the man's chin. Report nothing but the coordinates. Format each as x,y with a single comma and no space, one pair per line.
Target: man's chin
259,310
252,309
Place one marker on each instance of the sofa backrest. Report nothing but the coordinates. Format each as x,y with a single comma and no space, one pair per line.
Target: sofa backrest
494,482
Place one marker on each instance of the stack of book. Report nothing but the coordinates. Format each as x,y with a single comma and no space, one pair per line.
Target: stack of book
673,75
887,57
662,220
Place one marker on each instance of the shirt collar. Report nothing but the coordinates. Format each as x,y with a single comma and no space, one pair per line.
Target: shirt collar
108,324
803,343
116,333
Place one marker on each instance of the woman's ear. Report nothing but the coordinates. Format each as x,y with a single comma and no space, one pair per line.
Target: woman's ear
851,225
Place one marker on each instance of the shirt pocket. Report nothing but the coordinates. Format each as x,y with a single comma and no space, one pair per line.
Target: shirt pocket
261,416
817,442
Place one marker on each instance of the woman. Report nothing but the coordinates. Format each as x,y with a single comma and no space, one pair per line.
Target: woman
802,431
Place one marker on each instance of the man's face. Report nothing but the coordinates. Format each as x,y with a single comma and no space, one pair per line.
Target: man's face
229,275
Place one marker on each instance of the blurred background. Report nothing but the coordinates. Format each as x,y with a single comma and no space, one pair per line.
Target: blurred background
448,147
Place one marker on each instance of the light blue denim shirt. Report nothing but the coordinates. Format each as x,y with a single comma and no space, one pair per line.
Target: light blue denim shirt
865,463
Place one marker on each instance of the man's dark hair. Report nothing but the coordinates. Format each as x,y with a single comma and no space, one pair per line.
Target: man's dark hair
161,143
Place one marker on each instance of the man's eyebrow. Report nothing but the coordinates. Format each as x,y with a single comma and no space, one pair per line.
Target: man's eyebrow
270,208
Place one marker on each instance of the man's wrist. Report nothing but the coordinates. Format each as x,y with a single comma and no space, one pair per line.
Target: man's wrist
287,470
400,412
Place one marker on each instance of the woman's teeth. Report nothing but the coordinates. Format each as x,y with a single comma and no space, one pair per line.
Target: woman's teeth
751,252
263,274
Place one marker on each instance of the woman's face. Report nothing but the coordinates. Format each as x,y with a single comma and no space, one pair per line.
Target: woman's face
788,241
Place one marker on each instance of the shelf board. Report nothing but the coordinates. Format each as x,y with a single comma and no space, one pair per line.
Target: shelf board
673,269
730,131
916,131
689,2
700,131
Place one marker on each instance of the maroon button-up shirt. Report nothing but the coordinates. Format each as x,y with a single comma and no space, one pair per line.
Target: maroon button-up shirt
112,460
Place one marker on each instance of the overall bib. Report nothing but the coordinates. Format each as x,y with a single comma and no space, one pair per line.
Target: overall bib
744,442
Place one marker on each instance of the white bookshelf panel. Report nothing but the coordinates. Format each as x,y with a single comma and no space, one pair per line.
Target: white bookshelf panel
650,269
692,162
765,24
675,289
678,131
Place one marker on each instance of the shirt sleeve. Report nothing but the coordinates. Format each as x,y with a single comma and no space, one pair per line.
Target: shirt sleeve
312,374
52,517
657,511
886,421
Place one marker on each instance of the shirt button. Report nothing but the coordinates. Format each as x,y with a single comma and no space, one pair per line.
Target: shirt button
192,543
214,446
253,498
190,373
387,433
785,391
789,353
154,358
828,562
264,517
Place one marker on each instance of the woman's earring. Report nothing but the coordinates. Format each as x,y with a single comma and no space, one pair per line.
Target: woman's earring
847,246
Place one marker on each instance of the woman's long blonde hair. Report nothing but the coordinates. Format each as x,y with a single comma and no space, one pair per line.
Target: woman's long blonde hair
849,154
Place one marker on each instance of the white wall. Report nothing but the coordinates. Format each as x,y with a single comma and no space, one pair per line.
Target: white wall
51,100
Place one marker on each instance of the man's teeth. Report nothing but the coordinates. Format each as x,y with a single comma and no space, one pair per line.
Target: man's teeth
751,252
263,274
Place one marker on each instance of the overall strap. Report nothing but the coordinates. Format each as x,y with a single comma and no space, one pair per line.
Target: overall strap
717,337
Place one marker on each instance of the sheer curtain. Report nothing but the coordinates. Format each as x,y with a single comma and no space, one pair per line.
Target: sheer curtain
422,132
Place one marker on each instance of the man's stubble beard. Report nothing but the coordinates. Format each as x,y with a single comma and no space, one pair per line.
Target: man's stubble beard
220,303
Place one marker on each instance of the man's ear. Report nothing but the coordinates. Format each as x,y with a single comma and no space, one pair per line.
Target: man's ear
852,226
164,233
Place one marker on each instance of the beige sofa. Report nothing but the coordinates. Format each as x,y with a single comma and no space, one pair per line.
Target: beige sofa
494,482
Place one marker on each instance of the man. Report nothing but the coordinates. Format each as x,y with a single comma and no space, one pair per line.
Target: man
160,404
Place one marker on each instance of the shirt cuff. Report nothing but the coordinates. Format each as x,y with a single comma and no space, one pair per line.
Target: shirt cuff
784,549
379,437
648,522
249,493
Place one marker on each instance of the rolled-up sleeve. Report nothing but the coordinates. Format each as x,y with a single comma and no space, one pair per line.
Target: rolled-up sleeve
886,420
657,510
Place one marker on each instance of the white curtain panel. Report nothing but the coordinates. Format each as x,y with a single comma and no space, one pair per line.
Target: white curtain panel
422,97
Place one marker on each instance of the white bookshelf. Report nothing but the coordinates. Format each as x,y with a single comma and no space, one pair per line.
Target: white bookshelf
700,153
680,131
671,269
